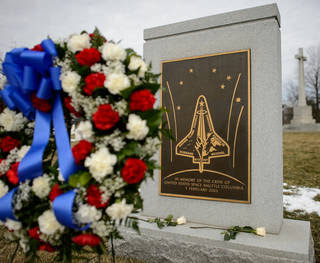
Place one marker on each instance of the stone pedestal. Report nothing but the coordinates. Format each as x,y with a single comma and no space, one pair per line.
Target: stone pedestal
302,115
182,244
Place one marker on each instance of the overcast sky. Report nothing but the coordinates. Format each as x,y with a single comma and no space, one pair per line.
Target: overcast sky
27,22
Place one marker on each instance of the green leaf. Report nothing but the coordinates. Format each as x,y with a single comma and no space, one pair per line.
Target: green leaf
226,237
81,178
130,150
127,92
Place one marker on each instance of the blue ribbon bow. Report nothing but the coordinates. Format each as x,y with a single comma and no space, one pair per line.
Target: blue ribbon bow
30,72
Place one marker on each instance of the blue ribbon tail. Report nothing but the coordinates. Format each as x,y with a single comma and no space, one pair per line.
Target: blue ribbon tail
67,163
31,165
62,208
6,210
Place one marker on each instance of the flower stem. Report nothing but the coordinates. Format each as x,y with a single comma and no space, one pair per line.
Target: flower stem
113,260
14,253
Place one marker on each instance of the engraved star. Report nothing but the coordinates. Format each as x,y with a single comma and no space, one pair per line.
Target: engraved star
191,70
222,86
214,70
181,82
238,99
228,77
178,107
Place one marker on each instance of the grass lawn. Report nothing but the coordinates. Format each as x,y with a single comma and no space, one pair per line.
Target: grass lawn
301,167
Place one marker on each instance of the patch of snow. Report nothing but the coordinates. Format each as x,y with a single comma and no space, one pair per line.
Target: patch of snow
301,198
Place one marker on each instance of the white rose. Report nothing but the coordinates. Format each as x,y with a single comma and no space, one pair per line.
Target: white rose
119,210
181,220
3,189
11,121
48,224
41,186
22,152
13,225
260,231
117,82
87,214
101,163
137,127
69,81
138,63
78,42
84,131
112,51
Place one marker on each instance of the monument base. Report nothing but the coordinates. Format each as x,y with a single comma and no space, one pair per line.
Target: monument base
182,244
302,115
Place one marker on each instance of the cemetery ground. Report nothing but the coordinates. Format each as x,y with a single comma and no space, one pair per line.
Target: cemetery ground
301,161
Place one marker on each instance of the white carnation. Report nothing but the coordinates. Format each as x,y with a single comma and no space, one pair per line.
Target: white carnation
87,214
41,186
84,131
101,163
117,82
112,51
138,63
78,42
13,225
48,223
119,210
137,127
70,80
12,121
22,152
3,189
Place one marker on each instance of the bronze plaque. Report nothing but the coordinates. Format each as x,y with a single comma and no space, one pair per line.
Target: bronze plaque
208,110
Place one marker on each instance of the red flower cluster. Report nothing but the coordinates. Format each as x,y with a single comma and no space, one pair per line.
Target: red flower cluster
46,247
94,197
86,239
37,48
142,100
40,104
67,104
12,173
55,191
8,143
93,81
133,170
88,57
105,117
34,233
81,150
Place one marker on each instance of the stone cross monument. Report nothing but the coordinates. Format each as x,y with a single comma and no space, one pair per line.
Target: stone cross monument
302,113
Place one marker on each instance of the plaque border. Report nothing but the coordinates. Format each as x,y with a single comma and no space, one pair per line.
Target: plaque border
248,51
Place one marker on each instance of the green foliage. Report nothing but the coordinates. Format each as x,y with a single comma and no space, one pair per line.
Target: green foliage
97,39
161,223
81,178
131,149
232,232
133,223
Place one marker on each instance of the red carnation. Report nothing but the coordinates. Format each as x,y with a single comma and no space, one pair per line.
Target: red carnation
55,191
40,104
37,48
88,57
34,233
105,117
67,104
8,143
46,247
142,100
12,173
86,239
133,170
94,81
94,197
81,150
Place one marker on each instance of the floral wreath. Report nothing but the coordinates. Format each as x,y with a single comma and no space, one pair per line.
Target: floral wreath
58,195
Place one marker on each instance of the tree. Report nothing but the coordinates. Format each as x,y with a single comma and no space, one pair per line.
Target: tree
312,77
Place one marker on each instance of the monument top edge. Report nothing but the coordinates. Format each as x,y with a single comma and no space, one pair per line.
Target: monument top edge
219,20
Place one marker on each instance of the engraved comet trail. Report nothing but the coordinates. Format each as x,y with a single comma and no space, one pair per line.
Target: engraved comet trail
174,111
235,137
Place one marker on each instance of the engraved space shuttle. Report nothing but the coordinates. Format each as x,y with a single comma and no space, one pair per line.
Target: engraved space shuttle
202,142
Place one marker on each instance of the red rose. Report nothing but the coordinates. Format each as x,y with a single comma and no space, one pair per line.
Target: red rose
88,57
8,143
37,48
94,197
46,247
34,233
105,117
93,81
133,170
86,239
142,100
55,191
40,104
81,150
12,173
67,104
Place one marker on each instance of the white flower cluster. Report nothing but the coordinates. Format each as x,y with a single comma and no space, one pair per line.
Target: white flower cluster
120,107
48,224
41,186
13,225
11,121
110,186
117,82
111,51
70,81
78,42
137,127
87,214
22,195
119,210
12,157
84,131
3,189
150,147
101,228
138,63
115,139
